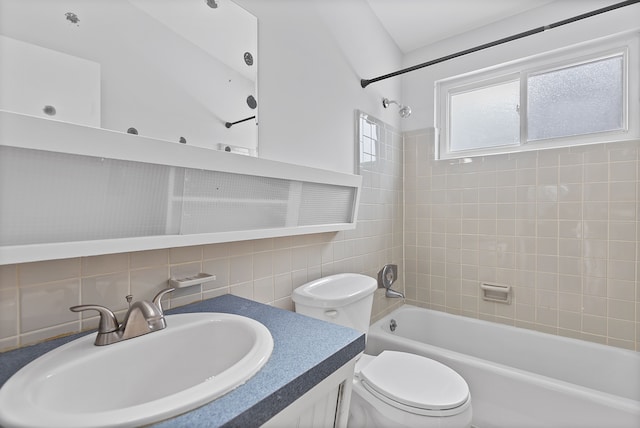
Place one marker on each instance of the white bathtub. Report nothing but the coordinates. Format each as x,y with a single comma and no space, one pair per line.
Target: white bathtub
521,378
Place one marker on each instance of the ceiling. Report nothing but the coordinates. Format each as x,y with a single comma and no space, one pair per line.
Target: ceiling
417,23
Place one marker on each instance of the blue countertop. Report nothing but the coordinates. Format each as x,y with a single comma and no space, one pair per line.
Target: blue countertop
305,352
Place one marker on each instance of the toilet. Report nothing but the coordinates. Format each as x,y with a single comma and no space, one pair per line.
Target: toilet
394,388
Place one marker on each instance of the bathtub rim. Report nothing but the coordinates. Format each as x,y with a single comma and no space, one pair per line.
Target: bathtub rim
379,330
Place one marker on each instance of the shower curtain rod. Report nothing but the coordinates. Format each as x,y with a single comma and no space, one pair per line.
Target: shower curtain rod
365,82
230,124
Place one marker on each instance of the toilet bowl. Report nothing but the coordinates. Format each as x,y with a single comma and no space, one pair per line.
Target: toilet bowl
394,388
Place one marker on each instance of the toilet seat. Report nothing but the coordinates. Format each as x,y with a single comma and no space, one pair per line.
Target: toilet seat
415,384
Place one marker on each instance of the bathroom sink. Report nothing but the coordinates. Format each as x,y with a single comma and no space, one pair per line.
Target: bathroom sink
197,358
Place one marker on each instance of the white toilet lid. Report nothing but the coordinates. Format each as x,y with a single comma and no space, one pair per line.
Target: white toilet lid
415,381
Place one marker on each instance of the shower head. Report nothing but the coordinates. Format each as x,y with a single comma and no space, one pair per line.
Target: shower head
404,112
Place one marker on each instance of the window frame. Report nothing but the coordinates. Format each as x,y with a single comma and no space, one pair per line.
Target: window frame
626,44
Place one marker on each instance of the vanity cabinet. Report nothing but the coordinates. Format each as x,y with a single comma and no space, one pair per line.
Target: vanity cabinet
325,405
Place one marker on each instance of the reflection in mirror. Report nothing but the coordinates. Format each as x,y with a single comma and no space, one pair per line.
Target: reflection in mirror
175,70
367,145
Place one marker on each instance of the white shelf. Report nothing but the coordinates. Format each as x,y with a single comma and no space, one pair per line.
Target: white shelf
72,191
230,200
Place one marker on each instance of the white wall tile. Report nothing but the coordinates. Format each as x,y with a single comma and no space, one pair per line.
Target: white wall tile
48,271
185,254
220,269
8,276
240,269
97,265
8,312
263,290
48,304
262,265
142,259
146,283
106,290
575,235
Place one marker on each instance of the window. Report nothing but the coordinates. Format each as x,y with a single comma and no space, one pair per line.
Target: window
485,117
368,136
577,96
576,100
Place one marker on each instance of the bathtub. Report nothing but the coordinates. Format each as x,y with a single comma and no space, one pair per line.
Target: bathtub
518,377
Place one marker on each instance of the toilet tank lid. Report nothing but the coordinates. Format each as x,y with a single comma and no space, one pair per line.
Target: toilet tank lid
335,290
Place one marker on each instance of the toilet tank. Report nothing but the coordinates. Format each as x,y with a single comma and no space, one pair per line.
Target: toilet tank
344,299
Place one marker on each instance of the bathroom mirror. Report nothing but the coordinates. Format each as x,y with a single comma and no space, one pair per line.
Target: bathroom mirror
175,70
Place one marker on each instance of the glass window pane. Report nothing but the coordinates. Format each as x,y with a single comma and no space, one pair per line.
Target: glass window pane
576,100
485,117
368,141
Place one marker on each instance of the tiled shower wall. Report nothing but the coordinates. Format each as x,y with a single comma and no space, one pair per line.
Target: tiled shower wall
35,297
560,226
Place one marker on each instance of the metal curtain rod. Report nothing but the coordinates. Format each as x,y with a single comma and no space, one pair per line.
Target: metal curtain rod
365,82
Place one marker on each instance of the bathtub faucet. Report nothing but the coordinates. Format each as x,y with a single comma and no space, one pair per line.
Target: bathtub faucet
393,293
386,277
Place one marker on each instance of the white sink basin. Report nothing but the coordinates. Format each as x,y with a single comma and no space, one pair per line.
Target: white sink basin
197,358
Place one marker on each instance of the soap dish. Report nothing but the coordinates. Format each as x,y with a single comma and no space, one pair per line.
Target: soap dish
191,280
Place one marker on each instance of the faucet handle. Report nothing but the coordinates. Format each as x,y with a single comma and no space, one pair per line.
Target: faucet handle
160,295
108,320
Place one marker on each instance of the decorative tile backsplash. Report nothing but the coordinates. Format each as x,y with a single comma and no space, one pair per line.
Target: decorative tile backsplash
35,297
560,226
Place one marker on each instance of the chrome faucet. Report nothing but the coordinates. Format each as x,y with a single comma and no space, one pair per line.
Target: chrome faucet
142,317
386,277
393,293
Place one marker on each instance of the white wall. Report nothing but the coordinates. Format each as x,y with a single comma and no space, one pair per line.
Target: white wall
417,88
312,57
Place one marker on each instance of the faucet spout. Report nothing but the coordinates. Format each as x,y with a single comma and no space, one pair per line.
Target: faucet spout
393,293
143,317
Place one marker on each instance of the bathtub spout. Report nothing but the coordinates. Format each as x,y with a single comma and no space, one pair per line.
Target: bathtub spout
386,277
393,293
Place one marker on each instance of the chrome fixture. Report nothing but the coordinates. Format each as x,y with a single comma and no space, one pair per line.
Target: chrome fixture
142,317
386,277
404,112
